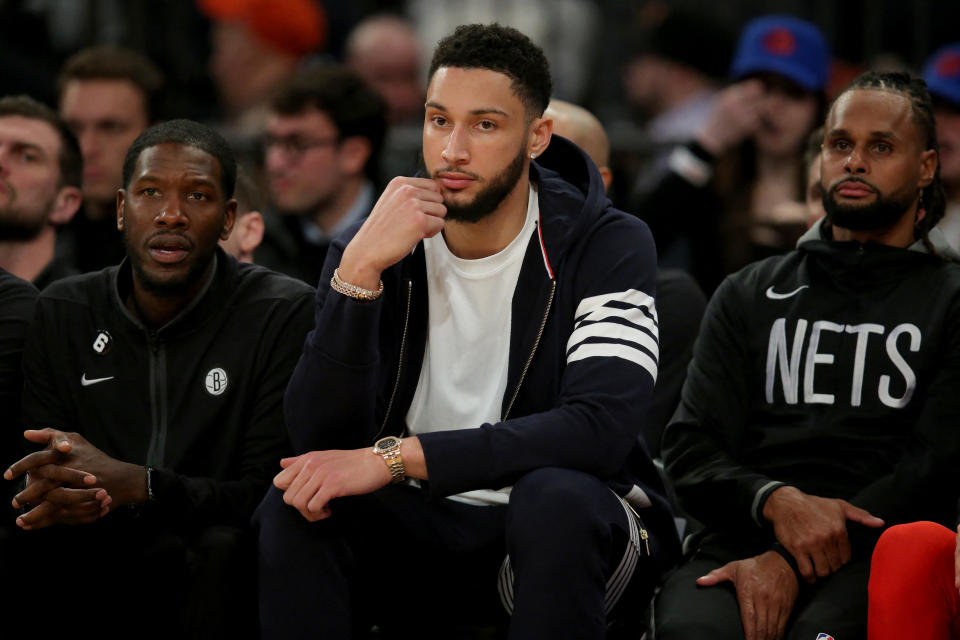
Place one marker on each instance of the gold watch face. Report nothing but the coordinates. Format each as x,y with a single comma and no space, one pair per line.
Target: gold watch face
384,445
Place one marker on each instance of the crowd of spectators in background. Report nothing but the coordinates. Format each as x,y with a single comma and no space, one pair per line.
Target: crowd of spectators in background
706,124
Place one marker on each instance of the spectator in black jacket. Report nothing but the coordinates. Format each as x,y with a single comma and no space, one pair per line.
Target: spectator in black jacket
820,403
154,389
17,299
322,149
40,171
108,96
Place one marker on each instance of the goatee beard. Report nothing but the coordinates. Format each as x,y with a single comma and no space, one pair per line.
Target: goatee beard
490,197
882,213
166,288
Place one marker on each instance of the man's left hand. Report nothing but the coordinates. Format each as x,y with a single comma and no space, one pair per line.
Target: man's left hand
766,589
69,455
310,481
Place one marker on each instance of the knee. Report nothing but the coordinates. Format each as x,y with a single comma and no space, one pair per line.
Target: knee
552,499
916,548
277,523
685,611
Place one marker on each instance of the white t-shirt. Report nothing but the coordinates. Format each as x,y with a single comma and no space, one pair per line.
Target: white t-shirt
464,373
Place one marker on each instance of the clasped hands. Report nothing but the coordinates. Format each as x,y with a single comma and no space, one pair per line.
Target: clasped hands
814,531
69,481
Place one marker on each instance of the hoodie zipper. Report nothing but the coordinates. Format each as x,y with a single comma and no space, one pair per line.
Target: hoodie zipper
403,348
158,400
536,343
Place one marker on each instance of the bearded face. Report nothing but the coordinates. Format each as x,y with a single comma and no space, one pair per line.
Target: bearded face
880,212
489,196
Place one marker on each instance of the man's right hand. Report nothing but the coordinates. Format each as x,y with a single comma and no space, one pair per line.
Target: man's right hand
61,505
409,210
814,529
766,592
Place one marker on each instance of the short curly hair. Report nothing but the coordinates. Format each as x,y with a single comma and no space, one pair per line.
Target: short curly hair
504,50
190,134
354,108
111,62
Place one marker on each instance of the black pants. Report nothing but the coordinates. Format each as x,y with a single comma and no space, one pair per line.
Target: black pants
131,577
426,568
835,605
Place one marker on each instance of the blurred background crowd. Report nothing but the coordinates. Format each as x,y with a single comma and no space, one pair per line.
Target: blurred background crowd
709,111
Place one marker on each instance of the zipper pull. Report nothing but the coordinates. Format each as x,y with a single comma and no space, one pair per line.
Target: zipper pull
646,539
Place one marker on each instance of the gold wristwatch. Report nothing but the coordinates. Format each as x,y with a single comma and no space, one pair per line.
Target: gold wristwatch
389,449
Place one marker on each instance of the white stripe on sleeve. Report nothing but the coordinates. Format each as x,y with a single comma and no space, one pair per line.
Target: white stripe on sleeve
630,296
600,327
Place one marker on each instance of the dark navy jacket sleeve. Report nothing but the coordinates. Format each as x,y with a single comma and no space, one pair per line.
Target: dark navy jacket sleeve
608,365
330,401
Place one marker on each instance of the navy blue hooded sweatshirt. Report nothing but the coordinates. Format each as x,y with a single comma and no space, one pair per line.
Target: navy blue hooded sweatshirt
582,363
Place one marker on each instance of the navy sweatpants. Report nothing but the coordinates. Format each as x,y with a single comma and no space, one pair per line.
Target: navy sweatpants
397,560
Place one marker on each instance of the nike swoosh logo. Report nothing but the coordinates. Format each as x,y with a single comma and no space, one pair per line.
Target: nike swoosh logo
783,296
86,382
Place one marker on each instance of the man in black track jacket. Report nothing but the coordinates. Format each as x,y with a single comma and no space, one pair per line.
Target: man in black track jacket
822,400
492,329
156,388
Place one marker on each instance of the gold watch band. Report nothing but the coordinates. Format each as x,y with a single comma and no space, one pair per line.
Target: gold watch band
395,465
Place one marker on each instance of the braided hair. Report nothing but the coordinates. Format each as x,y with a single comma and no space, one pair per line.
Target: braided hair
933,198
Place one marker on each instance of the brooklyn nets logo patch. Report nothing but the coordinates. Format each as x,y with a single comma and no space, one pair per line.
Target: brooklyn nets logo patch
216,381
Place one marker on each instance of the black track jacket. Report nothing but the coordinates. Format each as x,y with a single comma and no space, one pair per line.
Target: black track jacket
199,399
834,368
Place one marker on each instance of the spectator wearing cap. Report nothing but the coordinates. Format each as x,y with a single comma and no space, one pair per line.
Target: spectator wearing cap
256,45
725,200
942,75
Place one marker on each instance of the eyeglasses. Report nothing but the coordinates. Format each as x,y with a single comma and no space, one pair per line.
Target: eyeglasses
295,146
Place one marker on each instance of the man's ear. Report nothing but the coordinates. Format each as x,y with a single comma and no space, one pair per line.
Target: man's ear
541,129
929,160
65,205
229,217
354,153
121,197
252,229
607,176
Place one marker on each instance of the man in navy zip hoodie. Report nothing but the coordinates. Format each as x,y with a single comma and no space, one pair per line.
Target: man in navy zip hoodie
467,408
821,402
